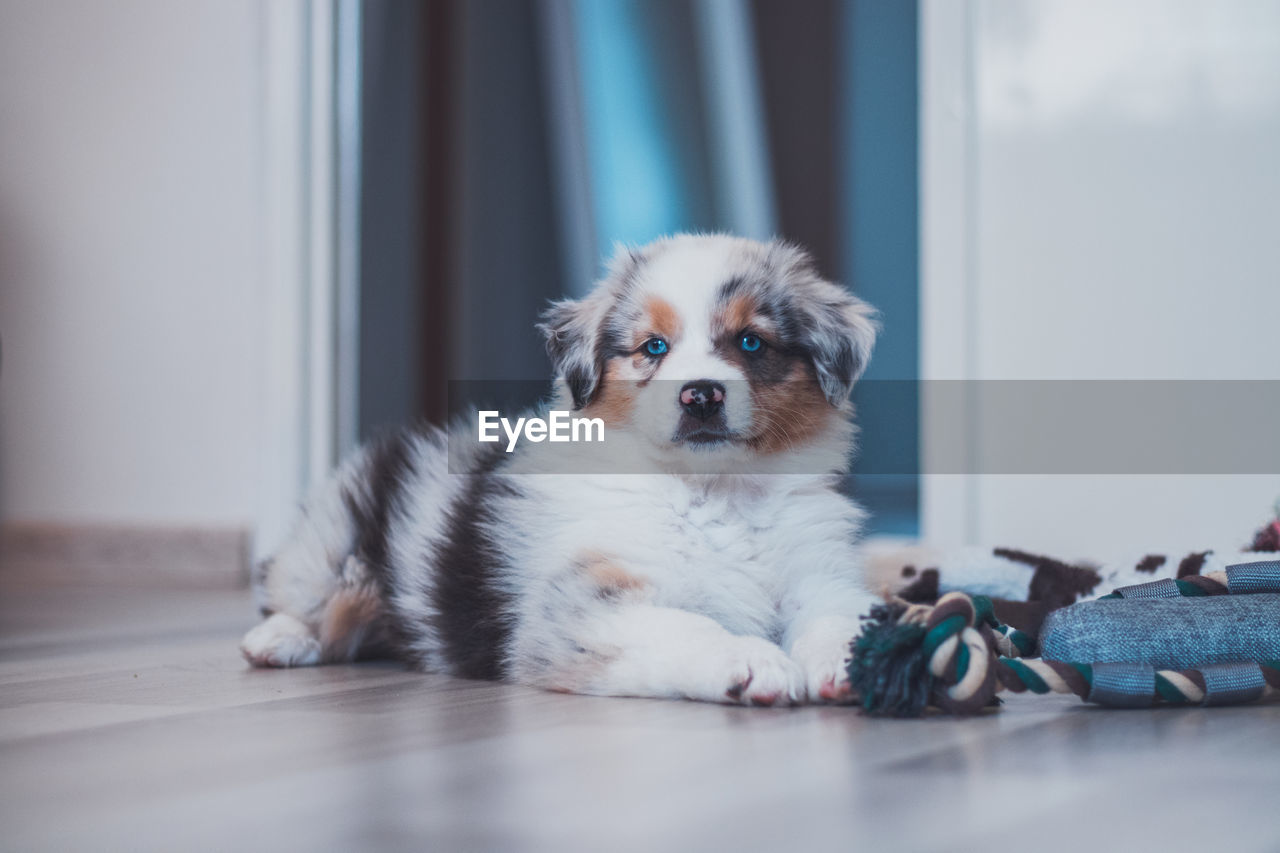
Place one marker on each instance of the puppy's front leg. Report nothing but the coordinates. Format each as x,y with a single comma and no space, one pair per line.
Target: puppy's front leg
824,617
637,649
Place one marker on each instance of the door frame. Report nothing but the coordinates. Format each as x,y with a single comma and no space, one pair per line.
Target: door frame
311,200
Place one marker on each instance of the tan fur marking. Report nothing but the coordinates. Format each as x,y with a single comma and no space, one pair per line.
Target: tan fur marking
739,314
607,575
789,413
348,616
664,320
577,675
615,401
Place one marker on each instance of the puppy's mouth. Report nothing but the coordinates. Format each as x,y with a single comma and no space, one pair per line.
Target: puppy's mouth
704,437
703,434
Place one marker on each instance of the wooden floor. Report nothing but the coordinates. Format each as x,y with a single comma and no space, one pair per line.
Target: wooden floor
128,721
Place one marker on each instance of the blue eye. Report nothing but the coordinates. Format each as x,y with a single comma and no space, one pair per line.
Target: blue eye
655,346
750,343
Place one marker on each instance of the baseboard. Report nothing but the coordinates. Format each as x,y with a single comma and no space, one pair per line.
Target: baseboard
32,552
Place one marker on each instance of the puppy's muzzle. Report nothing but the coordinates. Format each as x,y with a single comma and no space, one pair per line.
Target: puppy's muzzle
702,399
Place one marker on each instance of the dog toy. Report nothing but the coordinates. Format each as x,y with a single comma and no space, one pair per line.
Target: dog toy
1026,585
1210,639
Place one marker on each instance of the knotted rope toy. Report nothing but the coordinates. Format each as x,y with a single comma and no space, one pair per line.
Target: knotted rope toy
1207,640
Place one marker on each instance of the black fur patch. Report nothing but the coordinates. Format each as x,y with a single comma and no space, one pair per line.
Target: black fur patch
259,579
473,613
1026,616
923,590
1267,539
773,301
375,494
579,351
567,341
1192,564
371,500
1150,563
1054,582
813,327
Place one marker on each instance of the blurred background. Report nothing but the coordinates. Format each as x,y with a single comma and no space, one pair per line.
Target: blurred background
237,237
508,146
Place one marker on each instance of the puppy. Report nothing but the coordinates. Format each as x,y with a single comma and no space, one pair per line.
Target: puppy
713,561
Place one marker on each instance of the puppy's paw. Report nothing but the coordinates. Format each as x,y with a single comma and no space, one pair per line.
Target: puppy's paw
827,678
281,640
823,656
752,671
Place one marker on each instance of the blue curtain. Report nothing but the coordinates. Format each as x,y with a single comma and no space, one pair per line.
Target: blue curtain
676,137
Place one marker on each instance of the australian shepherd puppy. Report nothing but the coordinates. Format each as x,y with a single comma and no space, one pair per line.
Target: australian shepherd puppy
714,560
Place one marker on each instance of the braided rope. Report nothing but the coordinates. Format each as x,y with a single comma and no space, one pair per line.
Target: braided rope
958,644
960,637
1174,686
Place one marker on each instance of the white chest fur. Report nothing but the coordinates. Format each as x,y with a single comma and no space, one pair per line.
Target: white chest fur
725,547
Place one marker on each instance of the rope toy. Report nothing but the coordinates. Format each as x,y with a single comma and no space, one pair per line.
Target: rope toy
956,656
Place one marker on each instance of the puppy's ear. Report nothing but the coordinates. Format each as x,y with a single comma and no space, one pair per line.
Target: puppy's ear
839,336
572,328
575,328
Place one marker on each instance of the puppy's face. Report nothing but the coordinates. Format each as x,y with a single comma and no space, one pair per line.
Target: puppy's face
713,346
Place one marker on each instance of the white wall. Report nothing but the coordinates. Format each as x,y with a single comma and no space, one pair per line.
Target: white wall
1100,193
131,146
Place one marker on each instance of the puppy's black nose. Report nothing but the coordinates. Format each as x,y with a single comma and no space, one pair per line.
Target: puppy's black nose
702,398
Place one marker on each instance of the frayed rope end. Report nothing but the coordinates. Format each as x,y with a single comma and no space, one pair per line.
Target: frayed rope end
892,662
888,668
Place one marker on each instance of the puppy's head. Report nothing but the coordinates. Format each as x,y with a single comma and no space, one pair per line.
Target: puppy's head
713,344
